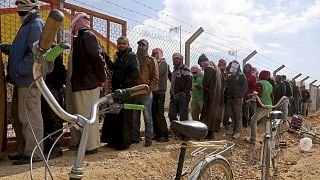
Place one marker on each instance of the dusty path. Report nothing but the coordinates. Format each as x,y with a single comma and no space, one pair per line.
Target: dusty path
159,161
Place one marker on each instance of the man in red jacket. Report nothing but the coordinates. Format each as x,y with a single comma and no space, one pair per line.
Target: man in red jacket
248,109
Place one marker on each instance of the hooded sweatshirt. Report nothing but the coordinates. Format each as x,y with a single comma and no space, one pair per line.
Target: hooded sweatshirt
264,88
237,85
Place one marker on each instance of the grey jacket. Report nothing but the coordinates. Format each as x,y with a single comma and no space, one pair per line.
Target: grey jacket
163,77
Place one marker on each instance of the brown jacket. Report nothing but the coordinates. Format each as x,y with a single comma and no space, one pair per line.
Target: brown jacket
149,73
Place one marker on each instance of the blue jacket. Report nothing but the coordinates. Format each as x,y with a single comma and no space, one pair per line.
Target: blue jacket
21,57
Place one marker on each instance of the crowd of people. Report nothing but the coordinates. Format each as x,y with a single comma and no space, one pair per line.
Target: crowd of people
218,91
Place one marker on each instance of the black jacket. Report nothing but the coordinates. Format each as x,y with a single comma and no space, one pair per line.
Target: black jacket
88,67
56,79
280,90
125,69
305,96
237,85
288,89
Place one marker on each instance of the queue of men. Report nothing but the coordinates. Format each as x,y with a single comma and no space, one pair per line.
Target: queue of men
218,91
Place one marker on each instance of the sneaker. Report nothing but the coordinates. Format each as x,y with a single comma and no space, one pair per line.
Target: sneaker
235,135
249,140
25,160
93,151
148,143
74,146
135,141
162,139
14,157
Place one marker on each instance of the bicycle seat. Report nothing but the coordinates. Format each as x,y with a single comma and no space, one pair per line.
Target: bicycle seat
190,129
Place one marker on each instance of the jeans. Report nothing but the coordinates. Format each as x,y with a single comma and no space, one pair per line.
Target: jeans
295,106
235,112
248,111
179,105
160,126
196,108
146,100
260,113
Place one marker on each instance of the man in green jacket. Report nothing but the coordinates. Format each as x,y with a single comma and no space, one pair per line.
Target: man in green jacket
197,92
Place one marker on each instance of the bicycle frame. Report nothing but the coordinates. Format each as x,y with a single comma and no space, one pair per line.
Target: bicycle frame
220,146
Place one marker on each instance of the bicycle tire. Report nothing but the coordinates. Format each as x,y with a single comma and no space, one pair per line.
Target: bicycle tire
277,151
265,169
216,162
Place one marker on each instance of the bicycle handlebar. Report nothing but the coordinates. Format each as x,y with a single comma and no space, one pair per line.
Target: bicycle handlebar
50,29
255,97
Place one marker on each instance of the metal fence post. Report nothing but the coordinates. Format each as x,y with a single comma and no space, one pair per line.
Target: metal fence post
246,59
294,78
188,43
277,70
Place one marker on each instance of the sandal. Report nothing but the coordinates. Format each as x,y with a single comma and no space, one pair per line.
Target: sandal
249,140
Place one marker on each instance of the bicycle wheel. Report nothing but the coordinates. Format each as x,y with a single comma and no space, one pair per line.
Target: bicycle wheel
214,168
266,153
277,151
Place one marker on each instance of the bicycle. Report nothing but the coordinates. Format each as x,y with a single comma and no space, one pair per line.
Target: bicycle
205,168
273,141
187,129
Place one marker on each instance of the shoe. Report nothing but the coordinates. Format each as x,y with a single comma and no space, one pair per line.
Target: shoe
235,135
230,133
249,140
148,143
56,152
15,157
155,138
135,141
162,139
25,160
94,151
74,146
121,148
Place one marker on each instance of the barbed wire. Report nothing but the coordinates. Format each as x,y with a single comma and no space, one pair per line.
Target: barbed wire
213,35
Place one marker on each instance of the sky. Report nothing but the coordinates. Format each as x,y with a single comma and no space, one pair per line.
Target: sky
282,31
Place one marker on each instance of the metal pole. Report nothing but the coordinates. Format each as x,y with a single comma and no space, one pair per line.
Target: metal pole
304,79
294,78
188,43
61,30
277,70
180,38
246,59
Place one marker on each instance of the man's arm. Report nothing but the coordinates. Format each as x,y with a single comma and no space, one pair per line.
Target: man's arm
5,48
24,67
154,78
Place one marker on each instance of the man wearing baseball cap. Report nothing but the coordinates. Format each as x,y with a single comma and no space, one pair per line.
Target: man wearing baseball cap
149,74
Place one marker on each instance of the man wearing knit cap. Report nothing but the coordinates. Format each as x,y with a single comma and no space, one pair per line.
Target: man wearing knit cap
149,74
26,101
180,91
213,107
160,127
197,92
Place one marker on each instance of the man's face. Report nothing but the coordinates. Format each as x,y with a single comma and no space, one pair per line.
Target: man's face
122,45
142,48
247,68
155,54
176,61
204,64
221,66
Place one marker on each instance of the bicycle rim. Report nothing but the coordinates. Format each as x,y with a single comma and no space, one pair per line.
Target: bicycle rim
216,169
277,152
265,169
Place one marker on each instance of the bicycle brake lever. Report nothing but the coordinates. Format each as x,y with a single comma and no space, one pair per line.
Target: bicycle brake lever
115,108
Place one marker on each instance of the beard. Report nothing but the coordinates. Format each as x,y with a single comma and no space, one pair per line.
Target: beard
141,53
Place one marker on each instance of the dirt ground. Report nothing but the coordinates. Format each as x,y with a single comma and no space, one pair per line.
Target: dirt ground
159,161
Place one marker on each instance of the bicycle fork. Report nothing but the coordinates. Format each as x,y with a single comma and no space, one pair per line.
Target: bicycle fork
265,157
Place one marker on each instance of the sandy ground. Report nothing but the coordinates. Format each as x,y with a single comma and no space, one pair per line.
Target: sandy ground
159,161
